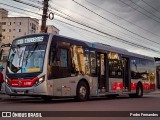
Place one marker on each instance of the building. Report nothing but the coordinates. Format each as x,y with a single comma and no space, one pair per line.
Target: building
0,39
0,33
13,27
52,29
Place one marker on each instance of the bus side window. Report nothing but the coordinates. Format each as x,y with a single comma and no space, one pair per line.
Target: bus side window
58,66
115,68
62,58
79,60
87,64
93,63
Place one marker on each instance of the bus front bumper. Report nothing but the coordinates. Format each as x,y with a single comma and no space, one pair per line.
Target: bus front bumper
26,91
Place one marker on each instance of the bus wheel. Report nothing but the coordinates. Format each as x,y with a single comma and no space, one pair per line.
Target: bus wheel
139,91
47,98
82,92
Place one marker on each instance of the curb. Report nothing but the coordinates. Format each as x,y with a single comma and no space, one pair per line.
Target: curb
155,92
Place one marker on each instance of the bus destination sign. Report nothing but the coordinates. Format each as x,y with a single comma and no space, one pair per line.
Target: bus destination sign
29,40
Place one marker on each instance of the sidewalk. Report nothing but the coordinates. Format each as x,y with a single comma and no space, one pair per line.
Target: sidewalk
156,91
3,96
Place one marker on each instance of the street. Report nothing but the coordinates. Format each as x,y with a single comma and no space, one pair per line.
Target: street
149,102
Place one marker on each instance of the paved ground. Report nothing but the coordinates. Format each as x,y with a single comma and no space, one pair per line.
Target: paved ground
4,96
149,102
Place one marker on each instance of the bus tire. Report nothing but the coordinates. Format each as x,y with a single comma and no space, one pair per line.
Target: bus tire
82,93
139,90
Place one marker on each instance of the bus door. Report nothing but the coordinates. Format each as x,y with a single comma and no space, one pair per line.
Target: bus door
158,77
58,70
101,70
126,74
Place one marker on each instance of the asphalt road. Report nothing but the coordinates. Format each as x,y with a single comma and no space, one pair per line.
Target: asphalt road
94,109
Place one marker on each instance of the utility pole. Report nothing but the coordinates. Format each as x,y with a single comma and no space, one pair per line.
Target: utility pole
1,50
44,16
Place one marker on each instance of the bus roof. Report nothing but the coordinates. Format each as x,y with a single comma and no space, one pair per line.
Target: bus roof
31,35
94,45
100,46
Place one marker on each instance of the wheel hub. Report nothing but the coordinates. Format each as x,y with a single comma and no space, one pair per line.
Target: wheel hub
82,91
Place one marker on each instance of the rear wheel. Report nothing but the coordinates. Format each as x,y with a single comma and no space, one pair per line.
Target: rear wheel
82,92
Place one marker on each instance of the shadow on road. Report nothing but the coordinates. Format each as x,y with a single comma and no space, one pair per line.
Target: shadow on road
38,100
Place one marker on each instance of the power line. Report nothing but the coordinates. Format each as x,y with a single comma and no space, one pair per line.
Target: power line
110,35
19,1
122,18
41,14
123,41
131,37
79,27
64,22
19,8
144,9
18,13
11,10
91,35
22,13
139,11
53,8
87,30
150,6
90,10
114,23
37,1
131,43
63,13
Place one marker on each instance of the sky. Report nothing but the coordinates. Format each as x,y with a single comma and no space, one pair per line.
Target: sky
133,24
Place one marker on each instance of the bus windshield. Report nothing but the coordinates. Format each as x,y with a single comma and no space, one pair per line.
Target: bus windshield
26,58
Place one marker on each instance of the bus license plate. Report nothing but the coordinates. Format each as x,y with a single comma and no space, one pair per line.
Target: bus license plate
20,93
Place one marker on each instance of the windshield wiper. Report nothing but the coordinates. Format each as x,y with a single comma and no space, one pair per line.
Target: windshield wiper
16,51
11,66
19,53
30,52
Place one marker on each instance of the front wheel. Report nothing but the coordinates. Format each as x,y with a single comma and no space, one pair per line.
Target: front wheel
139,91
82,92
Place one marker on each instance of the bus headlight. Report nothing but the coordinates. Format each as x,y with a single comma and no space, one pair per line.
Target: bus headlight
39,81
7,81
